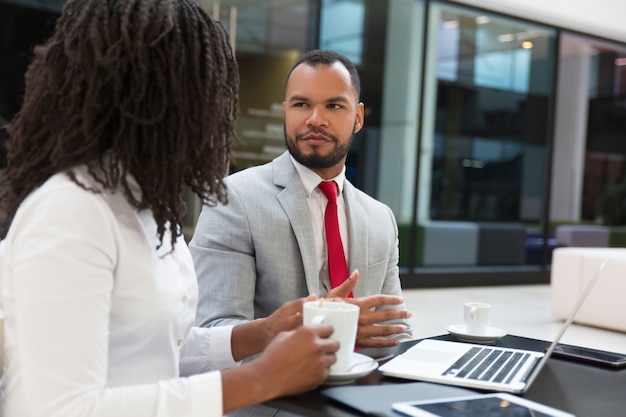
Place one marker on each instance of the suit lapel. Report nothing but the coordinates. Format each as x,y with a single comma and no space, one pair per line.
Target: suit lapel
293,200
357,236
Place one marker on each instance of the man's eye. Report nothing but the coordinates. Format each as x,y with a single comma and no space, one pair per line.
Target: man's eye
335,106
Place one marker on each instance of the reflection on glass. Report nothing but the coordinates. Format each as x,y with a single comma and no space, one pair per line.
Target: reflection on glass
589,163
270,36
341,27
484,137
605,157
490,96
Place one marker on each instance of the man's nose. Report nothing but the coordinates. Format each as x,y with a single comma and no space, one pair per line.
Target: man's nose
317,117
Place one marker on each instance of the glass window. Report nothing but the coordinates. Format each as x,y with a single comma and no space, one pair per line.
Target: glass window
485,136
589,151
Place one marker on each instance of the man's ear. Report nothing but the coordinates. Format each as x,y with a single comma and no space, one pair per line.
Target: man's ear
360,111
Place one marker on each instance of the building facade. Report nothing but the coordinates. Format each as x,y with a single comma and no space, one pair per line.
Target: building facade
486,128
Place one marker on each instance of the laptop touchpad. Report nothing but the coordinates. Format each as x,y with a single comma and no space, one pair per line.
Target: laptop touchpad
431,356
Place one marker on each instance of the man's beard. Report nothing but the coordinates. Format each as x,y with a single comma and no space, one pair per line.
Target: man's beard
315,160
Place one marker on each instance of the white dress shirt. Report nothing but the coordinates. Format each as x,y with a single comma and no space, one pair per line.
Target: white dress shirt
98,320
317,202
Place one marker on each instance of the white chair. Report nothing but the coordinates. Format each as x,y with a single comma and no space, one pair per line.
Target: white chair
583,235
573,268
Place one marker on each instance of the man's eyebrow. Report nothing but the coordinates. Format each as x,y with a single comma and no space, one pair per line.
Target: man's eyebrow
298,98
337,99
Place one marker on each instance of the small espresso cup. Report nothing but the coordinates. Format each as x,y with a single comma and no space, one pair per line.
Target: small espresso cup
476,317
344,318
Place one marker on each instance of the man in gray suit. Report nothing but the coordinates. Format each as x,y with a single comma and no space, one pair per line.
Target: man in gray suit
267,245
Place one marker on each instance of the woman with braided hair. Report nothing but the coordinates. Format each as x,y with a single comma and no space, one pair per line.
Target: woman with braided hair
127,103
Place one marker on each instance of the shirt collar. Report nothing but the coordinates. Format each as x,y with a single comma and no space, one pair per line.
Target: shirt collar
310,179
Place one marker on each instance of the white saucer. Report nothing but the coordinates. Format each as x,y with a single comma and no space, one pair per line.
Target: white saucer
491,335
361,366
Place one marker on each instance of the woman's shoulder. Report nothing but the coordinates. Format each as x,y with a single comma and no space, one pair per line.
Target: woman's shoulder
75,179
64,197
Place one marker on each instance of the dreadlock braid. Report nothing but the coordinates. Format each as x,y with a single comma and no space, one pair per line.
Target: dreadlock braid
146,88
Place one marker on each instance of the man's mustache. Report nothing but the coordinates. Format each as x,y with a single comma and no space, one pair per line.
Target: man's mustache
316,132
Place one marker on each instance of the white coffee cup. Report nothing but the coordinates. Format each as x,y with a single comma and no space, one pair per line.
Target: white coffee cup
476,317
344,318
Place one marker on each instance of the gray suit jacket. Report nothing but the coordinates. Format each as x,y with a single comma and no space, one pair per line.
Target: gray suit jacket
258,252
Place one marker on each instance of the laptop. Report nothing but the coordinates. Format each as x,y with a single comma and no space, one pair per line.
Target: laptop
478,366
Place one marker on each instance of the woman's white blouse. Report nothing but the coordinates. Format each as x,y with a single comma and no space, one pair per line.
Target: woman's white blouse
98,320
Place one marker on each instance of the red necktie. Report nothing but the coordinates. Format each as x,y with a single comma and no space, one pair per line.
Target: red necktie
337,267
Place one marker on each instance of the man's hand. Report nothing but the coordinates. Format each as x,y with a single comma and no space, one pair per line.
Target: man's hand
346,287
375,309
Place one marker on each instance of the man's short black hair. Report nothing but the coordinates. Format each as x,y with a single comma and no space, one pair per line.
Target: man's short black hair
317,57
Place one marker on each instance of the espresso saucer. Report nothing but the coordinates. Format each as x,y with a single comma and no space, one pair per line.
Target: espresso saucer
492,334
361,365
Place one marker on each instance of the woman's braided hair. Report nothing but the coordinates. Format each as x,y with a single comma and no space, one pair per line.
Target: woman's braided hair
141,87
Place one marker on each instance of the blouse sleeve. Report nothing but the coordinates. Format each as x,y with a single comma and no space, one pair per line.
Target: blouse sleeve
207,349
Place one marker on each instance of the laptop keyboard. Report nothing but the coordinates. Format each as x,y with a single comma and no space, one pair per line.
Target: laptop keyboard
488,364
